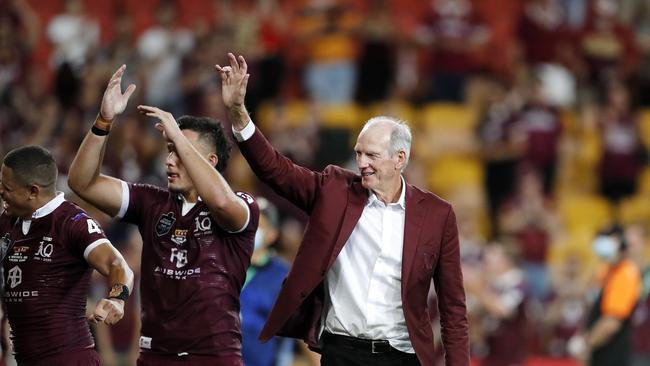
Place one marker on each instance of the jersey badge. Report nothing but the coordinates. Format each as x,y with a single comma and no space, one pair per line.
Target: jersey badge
165,223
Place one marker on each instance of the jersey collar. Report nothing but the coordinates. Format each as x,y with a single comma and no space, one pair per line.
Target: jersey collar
49,207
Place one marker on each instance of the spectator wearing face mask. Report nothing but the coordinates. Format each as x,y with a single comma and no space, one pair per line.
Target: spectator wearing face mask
607,339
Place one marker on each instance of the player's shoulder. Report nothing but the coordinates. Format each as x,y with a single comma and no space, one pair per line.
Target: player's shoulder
246,197
70,212
149,190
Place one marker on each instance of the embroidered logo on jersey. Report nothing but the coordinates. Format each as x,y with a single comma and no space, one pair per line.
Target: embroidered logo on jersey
165,223
15,277
179,257
179,237
245,196
203,225
19,254
45,250
5,243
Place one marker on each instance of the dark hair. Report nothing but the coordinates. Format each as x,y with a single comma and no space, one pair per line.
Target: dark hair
210,131
33,165
615,230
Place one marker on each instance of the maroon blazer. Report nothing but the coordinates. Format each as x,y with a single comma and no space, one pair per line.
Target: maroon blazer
334,200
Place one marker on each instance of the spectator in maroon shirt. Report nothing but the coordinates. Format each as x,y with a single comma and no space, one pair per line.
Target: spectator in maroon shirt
606,44
499,287
455,32
529,216
622,153
541,123
543,32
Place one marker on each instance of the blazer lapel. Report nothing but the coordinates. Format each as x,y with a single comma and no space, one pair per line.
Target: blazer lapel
413,223
357,198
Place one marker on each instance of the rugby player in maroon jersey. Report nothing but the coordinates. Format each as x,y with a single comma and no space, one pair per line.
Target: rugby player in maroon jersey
198,235
49,248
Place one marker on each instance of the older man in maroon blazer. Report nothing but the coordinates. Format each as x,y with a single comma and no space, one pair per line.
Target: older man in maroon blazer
357,290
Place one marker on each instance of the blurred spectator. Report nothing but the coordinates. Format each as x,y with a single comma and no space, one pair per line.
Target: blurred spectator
529,217
454,31
566,309
161,48
607,340
606,44
264,278
19,32
636,235
637,14
542,125
499,287
542,32
502,146
377,61
74,36
330,71
623,154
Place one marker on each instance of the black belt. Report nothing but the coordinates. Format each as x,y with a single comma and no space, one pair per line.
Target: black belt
359,344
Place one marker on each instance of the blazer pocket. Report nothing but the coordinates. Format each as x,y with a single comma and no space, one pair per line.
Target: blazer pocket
429,258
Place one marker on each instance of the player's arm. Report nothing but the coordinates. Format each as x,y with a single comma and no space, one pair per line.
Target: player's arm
229,211
110,263
84,178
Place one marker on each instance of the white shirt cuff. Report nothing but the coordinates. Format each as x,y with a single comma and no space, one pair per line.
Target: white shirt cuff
125,200
245,133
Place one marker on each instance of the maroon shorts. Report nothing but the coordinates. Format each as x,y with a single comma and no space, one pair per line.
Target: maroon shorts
150,359
86,357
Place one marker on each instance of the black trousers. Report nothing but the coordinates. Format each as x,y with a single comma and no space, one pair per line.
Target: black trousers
346,351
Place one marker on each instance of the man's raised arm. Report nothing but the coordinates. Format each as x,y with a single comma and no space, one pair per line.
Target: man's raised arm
84,178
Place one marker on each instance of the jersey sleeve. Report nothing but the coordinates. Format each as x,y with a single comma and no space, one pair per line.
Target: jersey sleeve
253,214
136,200
84,233
621,292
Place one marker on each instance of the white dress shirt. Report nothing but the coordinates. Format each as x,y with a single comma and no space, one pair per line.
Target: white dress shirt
363,288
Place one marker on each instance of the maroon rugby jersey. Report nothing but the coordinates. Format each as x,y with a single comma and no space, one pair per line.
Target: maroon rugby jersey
47,278
191,275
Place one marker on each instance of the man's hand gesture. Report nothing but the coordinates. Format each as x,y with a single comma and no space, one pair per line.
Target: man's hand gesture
234,79
108,311
114,102
166,122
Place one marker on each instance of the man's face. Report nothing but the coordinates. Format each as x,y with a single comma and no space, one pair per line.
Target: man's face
178,180
15,194
379,169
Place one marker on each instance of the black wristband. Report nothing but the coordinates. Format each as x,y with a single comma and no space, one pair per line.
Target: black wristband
98,131
119,291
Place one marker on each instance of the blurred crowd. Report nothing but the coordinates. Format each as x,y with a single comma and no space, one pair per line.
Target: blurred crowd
532,117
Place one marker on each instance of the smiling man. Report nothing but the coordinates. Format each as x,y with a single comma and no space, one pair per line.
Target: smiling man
357,291
49,247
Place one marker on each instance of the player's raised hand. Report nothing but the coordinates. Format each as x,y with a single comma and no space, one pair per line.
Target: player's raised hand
166,122
108,311
114,102
234,79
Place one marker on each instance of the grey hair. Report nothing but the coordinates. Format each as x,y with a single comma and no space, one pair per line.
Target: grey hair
400,137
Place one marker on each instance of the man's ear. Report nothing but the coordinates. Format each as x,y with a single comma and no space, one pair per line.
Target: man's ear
213,159
34,191
401,160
